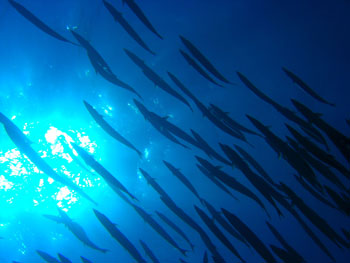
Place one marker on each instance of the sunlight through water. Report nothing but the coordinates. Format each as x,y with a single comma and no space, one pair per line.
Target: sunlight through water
23,186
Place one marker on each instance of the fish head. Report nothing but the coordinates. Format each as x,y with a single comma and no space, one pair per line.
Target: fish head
141,108
4,120
308,114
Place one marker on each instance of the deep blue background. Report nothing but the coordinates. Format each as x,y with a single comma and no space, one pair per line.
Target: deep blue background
43,79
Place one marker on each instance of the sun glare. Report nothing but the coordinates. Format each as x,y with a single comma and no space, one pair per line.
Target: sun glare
21,180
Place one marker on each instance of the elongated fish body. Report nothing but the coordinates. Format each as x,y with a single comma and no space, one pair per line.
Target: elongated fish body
198,68
127,27
205,257
259,183
282,201
68,150
341,141
314,217
229,181
283,254
285,244
153,183
313,192
216,216
255,164
176,172
342,202
92,52
311,234
106,175
37,22
85,260
205,111
175,228
137,60
108,128
75,228
155,78
190,222
63,259
287,113
220,114
212,178
149,252
305,87
48,258
161,83
165,127
208,149
158,228
288,154
250,236
23,144
139,13
100,65
217,232
318,165
119,236
318,152
203,60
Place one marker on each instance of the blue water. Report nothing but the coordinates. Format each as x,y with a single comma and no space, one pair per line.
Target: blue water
43,82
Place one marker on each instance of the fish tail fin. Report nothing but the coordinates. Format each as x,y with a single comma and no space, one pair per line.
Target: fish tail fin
183,251
139,153
280,214
104,250
192,246
202,200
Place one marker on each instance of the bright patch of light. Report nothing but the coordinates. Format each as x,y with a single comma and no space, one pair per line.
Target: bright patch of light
13,117
5,184
50,180
146,153
41,182
139,175
133,107
108,111
23,186
64,193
